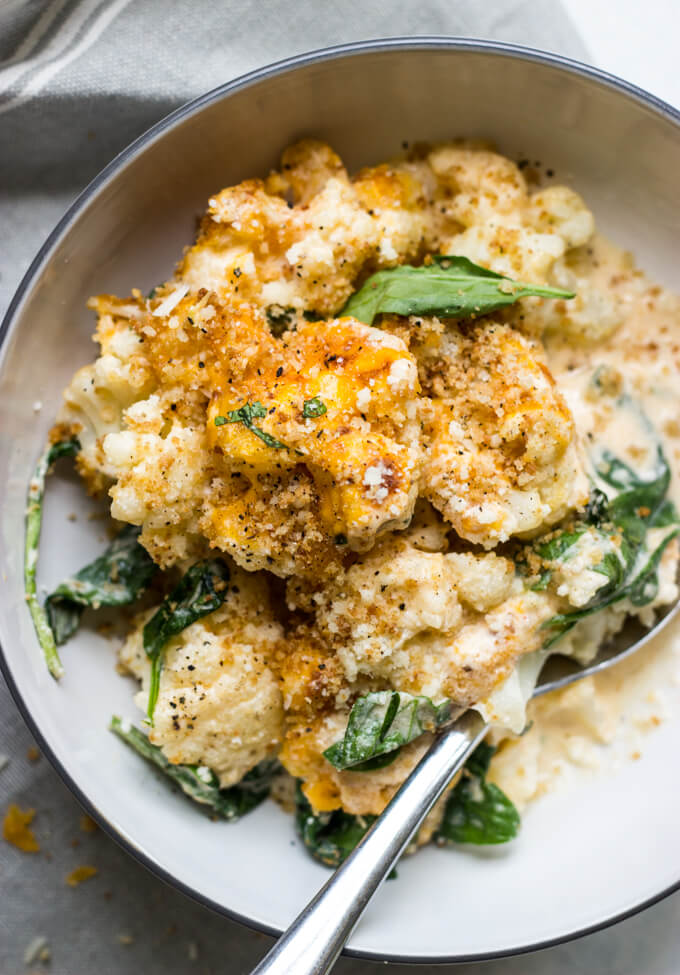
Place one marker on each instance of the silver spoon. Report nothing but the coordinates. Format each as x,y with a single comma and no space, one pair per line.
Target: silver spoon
316,937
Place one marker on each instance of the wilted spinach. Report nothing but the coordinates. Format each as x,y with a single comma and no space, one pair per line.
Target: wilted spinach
379,724
280,318
478,811
200,591
330,837
34,512
636,506
199,782
115,578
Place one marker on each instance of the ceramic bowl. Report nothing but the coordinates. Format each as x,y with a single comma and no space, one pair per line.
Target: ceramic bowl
585,857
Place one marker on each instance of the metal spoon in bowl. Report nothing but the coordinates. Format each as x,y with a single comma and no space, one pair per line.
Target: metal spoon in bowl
316,937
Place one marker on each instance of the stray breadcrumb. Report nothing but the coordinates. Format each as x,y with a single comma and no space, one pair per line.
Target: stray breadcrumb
81,874
124,938
87,824
33,754
16,829
37,950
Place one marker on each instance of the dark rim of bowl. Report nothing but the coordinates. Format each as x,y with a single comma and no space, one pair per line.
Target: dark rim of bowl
377,46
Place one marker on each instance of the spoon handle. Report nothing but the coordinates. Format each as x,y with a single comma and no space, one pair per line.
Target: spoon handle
316,937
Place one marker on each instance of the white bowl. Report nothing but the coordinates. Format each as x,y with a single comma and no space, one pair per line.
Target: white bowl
584,858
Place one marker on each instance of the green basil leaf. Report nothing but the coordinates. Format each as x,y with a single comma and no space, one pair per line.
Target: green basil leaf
311,408
34,512
329,837
379,724
478,811
246,414
199,782
115,578
451,287
200,591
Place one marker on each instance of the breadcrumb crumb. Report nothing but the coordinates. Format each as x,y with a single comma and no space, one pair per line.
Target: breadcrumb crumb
16,829
81,874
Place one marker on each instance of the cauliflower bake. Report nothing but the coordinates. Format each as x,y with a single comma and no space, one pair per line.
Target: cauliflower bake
378,446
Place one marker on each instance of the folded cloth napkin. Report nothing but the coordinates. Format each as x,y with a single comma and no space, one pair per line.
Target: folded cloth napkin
79,79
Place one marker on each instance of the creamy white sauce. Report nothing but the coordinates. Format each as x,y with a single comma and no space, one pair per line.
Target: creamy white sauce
601,721
593,725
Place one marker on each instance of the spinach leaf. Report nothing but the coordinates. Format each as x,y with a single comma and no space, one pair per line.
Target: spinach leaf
478,811
553,551
330,837
279,318
636,506
199,782
596,509
379,724
200,591
557,547
246,414
450,286
645,586
34,511
115,578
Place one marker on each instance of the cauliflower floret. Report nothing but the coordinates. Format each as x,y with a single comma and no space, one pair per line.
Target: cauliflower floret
500,457
559,210
590,316
518,252
306,167
328,456
98,393
504,228
160,481
337,397
300,239
484,186
219,703
416,592
450,625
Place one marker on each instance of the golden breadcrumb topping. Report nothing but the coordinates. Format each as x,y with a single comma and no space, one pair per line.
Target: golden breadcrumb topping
372,487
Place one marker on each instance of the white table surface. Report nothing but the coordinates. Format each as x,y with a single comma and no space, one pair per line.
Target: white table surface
144,926
635,39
